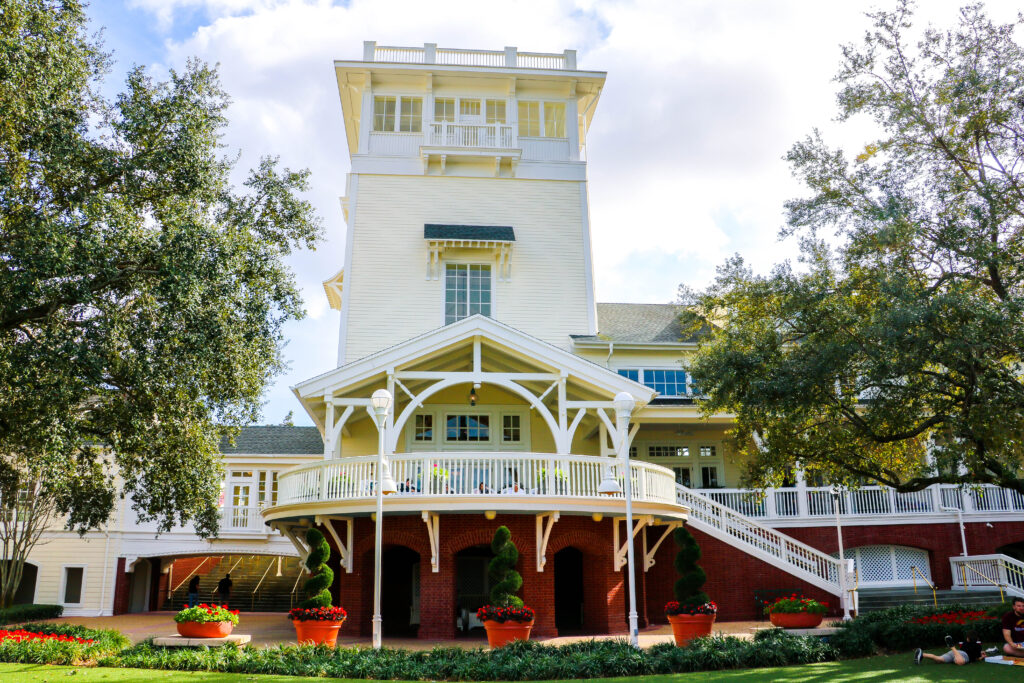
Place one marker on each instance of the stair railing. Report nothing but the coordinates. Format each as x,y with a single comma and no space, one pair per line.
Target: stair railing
965,567
914,574
252,604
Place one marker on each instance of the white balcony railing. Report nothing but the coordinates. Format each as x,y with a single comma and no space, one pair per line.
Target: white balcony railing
865,502
431,54
488,135
470,474
242,519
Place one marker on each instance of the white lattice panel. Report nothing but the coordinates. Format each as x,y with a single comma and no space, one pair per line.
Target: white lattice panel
874,562
888,564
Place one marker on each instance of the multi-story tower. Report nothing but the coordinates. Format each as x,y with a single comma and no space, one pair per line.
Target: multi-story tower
468,194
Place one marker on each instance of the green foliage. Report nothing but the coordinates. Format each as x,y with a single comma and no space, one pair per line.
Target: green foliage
687,587
205,614
895,630
17,614
502,570
142,296
317,586
903,330
105,643
518,661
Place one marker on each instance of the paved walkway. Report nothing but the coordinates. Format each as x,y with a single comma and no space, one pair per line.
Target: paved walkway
272,628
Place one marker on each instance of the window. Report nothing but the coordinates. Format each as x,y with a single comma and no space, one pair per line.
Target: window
495,111
511,431
709,476
632,451
74,577
469,109
663,451
467,291
444,109
267,488
384,113
424,428
529,119
707,451
468,428
239,474
666,381
682,475
411,118
554,120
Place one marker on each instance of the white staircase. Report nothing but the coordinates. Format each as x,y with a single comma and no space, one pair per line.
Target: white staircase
777,549
988,572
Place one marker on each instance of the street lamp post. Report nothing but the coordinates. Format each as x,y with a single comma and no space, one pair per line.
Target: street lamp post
381,403
842,554
624,404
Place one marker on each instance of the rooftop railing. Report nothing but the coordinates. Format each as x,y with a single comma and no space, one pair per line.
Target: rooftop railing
430,53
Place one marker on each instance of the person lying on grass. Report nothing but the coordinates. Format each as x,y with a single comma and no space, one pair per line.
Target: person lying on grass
968,651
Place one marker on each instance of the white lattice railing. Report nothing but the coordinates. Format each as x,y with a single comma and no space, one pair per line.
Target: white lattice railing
465,474
490,135
867,501
986,572
778,549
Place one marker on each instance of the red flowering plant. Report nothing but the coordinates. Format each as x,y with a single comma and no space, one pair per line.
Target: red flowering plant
959,617
205,614
795,604
317,614
503,614
20,636
674,608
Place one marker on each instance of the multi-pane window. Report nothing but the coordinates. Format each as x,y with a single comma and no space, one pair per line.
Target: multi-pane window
554,120
682,475
410,119
424,428
632,374
444,109
709,476
469,109
707,451
495,111
511,429
632,451
267,488
662,451
666,381
73,578
529,119
384,108
469,428
467,291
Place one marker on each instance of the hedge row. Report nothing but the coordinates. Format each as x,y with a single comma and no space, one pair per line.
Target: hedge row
21,613
105,643
520,661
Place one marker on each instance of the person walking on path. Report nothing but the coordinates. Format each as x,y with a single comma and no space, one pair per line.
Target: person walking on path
224,590
1013,629
960,653
193,591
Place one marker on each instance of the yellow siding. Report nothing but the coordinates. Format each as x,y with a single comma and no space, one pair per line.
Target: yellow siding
390,298
58,549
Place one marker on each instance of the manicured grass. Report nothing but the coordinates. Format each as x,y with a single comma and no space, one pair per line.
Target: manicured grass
870,669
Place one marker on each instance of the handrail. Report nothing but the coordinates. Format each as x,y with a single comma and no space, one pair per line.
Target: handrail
189,575
260,583
965,565
914,573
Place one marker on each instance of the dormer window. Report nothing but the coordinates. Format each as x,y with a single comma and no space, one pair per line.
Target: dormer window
467,291
392,113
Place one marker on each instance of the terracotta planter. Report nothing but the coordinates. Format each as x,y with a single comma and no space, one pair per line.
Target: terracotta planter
317,632
211,629
499,634
796,619
686,627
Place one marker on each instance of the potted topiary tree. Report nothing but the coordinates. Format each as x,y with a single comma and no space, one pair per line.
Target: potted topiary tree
506,619
692,613
315,620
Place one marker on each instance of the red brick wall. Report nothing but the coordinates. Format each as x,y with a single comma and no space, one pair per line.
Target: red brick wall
121,584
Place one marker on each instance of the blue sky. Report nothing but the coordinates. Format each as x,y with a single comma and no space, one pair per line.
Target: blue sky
685,152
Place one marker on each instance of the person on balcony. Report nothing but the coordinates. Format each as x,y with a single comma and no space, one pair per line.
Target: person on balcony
1013,629
483,489
193,591
968,651
514,490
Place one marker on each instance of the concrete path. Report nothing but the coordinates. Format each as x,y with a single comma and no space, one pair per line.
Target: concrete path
272,628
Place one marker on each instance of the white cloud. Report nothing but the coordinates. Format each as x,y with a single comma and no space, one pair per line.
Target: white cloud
703,98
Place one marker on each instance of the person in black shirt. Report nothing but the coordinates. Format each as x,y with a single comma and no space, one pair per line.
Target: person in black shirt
961,653
224,590
1013,629
193,591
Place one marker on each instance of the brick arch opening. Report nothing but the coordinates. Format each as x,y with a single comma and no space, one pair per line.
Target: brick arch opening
401,571
1014,550
570,590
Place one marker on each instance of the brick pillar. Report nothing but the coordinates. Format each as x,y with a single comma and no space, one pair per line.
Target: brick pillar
121,587
437,596
539,591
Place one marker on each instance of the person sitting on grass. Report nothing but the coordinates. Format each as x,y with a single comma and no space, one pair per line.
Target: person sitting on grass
961,653
1013,629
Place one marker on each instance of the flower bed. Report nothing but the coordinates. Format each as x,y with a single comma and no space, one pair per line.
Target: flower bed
503,614
959,617
205,614
795,604
21,635
59,644
317,614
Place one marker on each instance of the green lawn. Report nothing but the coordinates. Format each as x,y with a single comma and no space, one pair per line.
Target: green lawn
871,669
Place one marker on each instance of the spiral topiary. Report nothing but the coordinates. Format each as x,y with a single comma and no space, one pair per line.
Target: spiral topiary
691,577
318,586
502,570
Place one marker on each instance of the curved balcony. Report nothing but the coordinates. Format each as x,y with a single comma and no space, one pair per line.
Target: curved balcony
470,482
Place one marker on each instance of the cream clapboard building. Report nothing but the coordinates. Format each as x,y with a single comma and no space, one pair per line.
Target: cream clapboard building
466,290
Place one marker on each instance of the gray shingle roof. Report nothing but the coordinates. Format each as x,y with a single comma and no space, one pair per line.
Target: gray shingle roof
490,233
275,440
637,324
